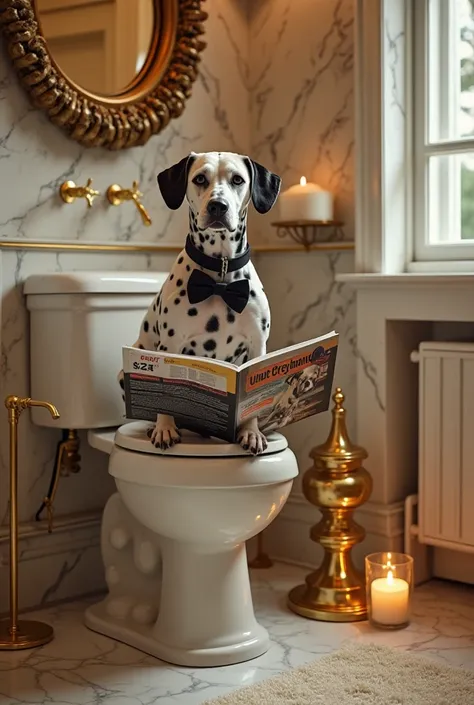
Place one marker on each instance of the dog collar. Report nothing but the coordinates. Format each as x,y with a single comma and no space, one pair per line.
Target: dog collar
222,265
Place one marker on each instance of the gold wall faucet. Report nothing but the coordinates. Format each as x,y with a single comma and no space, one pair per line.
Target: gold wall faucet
117,195
69,192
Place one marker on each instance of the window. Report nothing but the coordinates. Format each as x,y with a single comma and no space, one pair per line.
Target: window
443,45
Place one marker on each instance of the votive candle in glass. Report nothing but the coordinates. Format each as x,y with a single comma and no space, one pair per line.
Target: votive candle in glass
389,585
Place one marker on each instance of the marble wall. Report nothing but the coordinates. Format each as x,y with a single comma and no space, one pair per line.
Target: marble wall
302,123
276,82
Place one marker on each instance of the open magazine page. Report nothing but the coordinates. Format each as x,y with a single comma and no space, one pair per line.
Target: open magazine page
290,385
199,393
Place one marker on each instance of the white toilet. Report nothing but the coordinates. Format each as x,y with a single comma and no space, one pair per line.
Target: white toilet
173,536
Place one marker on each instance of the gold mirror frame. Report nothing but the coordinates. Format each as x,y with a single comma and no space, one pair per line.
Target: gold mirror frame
145,107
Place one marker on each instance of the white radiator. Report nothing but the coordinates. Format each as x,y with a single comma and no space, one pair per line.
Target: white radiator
446,445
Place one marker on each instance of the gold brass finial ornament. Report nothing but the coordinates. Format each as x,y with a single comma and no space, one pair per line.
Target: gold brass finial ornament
20,634
69,192
337,484
117,195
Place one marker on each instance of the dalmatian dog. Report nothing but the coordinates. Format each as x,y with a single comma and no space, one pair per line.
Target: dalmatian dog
212,303
300,383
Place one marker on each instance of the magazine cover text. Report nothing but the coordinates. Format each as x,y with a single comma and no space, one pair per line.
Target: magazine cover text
190,390
290,387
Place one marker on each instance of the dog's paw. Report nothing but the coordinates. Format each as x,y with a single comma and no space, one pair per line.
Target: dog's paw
164,435
253,441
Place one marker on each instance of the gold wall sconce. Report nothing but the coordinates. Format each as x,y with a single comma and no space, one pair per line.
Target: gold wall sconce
116,195
20,634
69,192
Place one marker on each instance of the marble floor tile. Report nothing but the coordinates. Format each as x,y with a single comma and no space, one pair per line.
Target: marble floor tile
83,668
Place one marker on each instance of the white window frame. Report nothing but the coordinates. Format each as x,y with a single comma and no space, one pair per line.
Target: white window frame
387,225
446,178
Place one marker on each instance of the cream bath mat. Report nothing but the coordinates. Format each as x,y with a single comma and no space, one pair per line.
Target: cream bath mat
361,675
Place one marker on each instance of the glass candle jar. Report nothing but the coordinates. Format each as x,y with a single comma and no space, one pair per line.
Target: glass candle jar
389,585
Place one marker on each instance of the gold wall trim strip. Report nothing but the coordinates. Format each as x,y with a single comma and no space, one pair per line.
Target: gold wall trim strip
155,249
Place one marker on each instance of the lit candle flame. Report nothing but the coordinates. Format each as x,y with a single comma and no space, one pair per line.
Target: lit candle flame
390,577
303,181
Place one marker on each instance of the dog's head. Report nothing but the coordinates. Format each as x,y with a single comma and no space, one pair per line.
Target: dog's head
303,382
219,187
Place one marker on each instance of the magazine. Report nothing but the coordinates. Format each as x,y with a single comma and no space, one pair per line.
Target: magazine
214,398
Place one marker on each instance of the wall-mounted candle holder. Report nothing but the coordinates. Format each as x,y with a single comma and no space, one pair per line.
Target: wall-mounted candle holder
314,234
389,586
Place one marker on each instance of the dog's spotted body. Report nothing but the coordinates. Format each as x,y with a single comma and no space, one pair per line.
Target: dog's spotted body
219,188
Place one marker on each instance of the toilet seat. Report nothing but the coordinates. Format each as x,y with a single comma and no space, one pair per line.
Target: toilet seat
133,436
196,462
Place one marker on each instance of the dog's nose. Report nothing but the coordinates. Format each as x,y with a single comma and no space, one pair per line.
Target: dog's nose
217,208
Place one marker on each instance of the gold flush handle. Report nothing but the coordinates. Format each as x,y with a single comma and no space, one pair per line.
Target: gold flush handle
117,195
69,192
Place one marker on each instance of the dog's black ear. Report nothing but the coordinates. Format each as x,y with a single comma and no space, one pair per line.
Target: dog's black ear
173,182
264,184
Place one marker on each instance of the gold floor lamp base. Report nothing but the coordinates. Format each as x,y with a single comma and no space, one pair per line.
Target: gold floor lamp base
28,635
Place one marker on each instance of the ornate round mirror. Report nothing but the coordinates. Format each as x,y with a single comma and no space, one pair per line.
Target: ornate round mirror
111,73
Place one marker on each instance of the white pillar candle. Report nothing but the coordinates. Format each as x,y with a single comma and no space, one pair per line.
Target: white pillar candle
305,202
390,600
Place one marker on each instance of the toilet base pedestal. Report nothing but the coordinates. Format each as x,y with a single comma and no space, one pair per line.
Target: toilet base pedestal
206,615
141,638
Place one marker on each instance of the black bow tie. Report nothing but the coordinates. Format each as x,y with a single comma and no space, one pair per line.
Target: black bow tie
201,287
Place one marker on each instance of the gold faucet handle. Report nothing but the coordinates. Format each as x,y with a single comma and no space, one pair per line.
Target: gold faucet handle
141,208
135,191
69,192
117,195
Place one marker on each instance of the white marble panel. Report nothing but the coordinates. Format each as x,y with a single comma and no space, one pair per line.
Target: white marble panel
302,94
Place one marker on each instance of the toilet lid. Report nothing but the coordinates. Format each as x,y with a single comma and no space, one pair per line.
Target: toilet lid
133,436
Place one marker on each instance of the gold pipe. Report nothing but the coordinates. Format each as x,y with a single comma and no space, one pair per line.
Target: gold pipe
69,192
67,461
22,634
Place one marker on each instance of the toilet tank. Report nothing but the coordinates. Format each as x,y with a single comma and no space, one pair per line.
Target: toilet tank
79,322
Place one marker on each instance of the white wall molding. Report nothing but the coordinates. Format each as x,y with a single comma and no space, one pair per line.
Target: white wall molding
383,135
368,142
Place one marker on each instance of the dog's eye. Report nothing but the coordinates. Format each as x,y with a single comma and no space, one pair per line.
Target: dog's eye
237,180
200,180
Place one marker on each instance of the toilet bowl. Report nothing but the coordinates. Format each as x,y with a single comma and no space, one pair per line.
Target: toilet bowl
183,518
